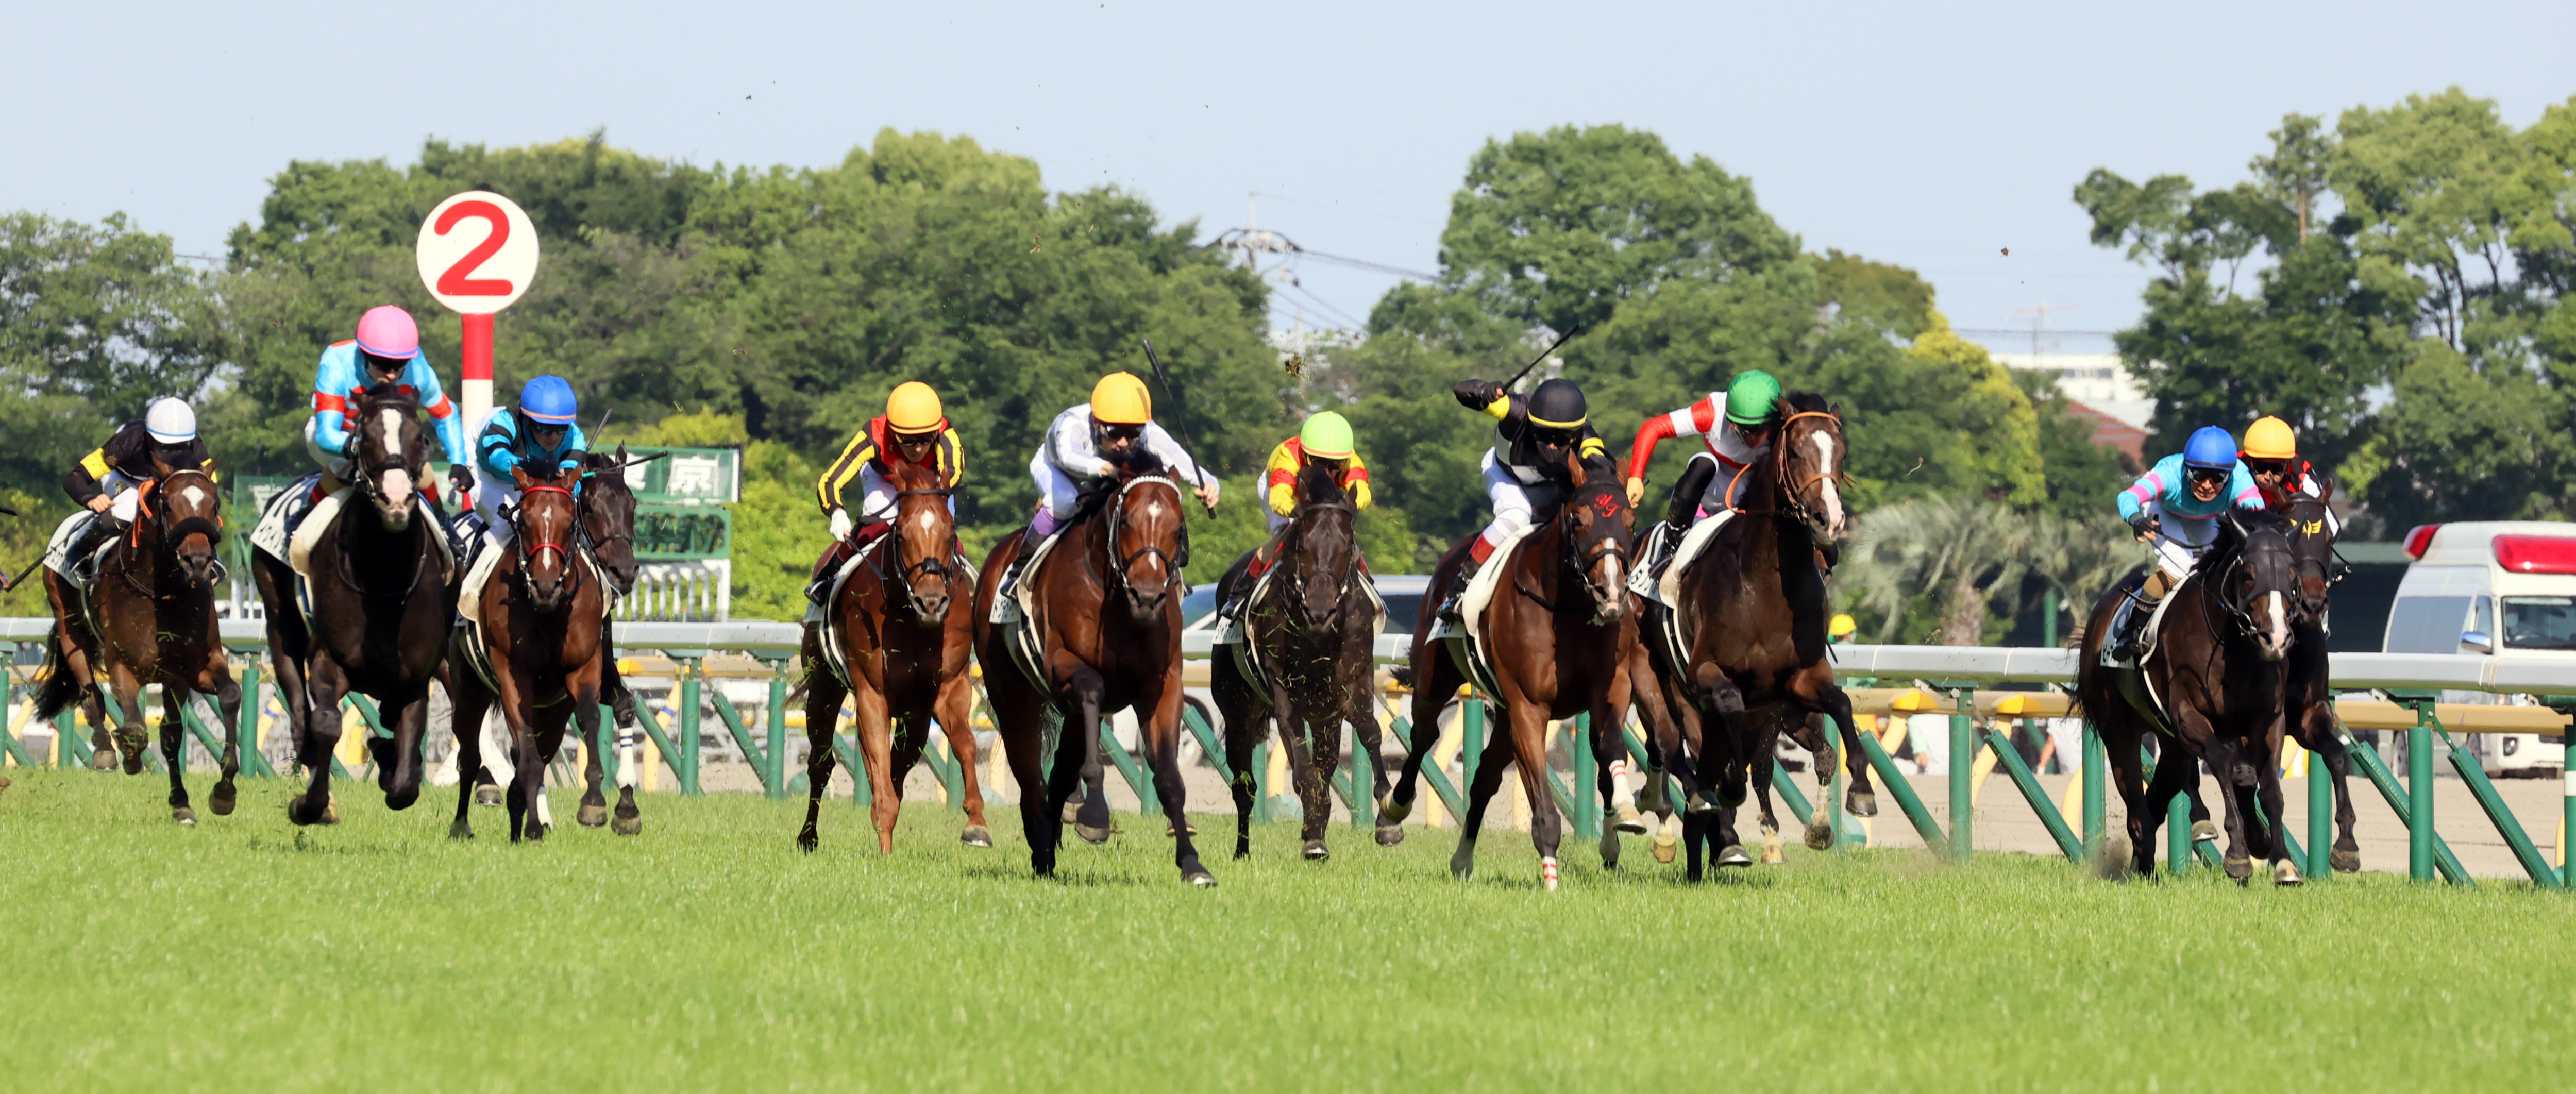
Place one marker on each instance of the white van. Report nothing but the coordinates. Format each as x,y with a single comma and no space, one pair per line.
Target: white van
2506,588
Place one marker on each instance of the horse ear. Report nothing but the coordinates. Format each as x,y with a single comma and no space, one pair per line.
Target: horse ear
357,401
519,474
1574,467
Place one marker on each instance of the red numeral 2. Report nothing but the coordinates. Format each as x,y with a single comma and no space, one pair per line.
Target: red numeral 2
457,280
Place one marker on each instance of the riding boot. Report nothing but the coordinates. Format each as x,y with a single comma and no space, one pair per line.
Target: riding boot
1680,512
92,536
2130,639
1467,570
825,569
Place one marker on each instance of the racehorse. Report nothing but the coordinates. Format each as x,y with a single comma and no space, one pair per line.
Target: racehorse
2311,700
2219,675
381,608
543,628
901,630
1106,635
1560,637
1753,617
1311,633
150,619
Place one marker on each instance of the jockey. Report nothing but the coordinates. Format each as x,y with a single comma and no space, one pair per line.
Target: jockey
1841,629
104,481
386,351
1325,439
1738,428
2271,455
2175,507
1087,442
541,433
912,431
1525,469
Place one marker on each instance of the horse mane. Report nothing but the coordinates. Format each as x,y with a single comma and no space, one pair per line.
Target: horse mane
1095,494
1316,485
1805,402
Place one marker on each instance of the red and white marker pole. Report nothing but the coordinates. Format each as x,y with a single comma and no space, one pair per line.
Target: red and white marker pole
476,274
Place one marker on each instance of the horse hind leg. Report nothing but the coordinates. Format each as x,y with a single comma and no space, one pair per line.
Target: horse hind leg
228,695
626,820
174,754
594,802
1480,793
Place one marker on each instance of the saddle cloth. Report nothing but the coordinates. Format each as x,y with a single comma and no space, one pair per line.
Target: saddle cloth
58,549
834,653
1017,615
1237,632
1669,624
2132,681
1468,646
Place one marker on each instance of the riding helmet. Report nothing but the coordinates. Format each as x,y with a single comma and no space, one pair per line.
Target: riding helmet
1558,404
170,421
2210,448
914,408
1326,435
1753,398
388,331
1121,399
2269,438
549,399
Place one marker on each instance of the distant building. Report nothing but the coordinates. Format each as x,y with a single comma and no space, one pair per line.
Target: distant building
2097,380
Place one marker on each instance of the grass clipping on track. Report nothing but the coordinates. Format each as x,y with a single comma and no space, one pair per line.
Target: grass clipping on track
709,953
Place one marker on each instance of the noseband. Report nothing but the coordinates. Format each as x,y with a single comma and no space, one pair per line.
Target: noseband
937,563
529,551
1121,563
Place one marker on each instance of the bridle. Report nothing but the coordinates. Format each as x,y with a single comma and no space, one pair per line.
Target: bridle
1782,478
1121,562
1583,559
212,528
530,548
2240,563
1296,574
937,563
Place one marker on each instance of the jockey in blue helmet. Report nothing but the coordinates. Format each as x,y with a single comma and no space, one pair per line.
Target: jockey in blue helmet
540,433
2175,507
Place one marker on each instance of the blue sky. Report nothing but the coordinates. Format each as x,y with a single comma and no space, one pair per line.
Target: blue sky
1933,136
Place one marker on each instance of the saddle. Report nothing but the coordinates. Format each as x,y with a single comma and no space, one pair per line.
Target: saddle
1017,616
836,653
2130,680
1467,644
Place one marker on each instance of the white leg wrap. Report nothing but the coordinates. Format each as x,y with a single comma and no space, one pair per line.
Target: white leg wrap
630,756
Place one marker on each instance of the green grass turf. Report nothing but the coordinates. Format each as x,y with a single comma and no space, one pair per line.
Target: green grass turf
709,954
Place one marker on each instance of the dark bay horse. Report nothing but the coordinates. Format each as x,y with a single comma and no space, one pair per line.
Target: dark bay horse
1108,635
154,612
381,607
901,623
544,629
607,514
1562,639
2311,700
1753,617
1312,633
2221,668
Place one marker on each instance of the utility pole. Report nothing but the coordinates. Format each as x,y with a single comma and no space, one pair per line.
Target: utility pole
2039,323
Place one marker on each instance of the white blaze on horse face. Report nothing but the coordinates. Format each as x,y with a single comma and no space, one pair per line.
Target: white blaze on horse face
1825,466
2277,627
195,494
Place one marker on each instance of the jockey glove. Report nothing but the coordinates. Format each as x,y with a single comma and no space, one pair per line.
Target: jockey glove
1476,394
2142,522
461,479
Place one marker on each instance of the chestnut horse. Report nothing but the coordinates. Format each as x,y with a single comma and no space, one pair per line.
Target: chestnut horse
382,608
1313,636
1107,602
153,607
1753,618
543,616
901,626
1562,640
2220,666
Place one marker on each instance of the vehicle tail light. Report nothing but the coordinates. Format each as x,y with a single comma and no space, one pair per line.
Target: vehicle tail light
2536,554
2419,539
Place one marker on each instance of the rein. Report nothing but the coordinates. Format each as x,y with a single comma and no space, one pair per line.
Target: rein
1781,475
937,563
1116,511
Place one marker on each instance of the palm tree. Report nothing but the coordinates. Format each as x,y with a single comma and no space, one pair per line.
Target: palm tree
1960,552
2081,559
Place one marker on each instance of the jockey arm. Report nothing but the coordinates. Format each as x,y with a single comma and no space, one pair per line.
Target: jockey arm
444,417
1176,458
497,451
337,375
129,451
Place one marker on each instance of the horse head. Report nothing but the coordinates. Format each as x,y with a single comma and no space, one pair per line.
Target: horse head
608,516
387,451
2312,555
543,523
189,509
1148,543
1809,453
2258,588
1599,534
1323,545
925,532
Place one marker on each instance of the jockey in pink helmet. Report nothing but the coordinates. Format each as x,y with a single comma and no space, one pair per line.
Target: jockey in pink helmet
386,351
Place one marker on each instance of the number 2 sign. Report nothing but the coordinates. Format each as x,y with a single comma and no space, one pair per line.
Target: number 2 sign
477,252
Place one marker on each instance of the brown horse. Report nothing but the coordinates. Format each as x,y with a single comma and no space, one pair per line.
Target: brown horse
154,612
2220,667
902,628
381,608
1108,636
1313,633
543,625
1753,617
1562,640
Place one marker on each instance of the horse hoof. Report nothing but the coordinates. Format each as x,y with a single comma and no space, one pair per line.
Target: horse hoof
807,842
300,811
331,811
2240,868
134,762
1463,864
1861,804
1631,822
1200,879
103,760
1090,834
221,801
1734,855
1702,804
2344,862
2286,875
1665,849
591,816
185,816
1772,855
1072,809
1389,834
487,795
627,824
1392,811
975,835
1547,873
1820,835
1316,851
1609,850
2204,832
460,830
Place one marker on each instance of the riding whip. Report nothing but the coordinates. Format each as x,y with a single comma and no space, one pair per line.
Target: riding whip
1164,378
1542,355
8,583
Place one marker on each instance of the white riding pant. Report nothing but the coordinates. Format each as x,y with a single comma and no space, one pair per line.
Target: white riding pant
490,494
336,466
1725,489
1059,489
122,496
1514,501
877,497
2181,541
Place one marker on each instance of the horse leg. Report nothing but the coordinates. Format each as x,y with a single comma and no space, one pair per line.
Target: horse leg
876,750
1817,692
1313,752
1162,741
630,745
1606,722
469,702
2175,771
1529,733
527,766
1766,761
1091,822
1019,721
955,710
823,694
2128,779
2267,790
593,811
174,753
1243,732
1480,792
2317,733
1359,708
123,690
324,685
217,680
1436,679
407,714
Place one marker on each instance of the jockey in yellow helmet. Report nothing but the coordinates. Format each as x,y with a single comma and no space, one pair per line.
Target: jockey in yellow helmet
914,431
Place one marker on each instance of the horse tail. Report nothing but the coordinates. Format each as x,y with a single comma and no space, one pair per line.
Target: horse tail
56,691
